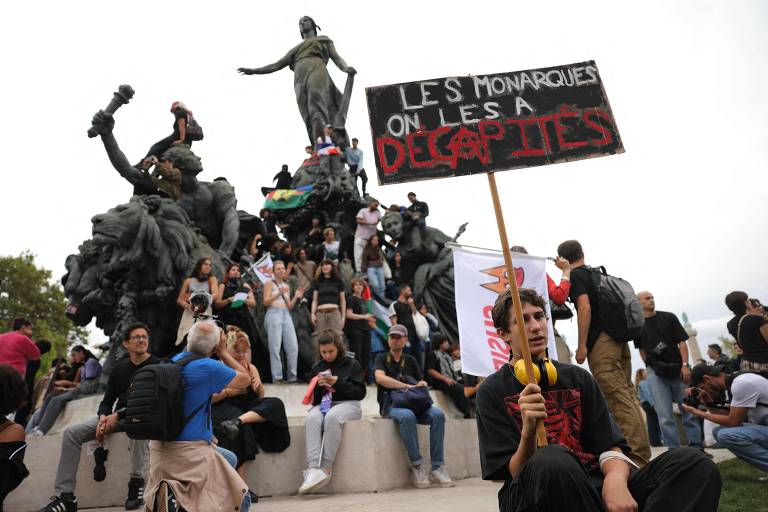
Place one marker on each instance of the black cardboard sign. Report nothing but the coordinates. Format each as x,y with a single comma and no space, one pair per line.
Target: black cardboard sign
458,126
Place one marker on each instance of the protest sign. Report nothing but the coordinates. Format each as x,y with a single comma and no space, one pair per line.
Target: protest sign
466,125
479,278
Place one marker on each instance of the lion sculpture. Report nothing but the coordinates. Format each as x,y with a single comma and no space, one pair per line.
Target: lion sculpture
131,269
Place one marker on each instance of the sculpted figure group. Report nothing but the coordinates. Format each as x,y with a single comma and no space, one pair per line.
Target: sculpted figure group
141,251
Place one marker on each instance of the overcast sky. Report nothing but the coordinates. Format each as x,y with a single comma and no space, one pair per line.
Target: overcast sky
682,213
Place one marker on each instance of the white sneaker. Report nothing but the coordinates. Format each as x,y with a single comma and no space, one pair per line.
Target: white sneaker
314,479
440,476
420,478
36,432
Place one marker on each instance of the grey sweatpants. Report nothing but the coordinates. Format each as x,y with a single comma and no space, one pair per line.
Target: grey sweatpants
71,444
328,426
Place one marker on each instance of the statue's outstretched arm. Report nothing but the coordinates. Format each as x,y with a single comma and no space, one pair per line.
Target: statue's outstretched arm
269,68
103,123
340,63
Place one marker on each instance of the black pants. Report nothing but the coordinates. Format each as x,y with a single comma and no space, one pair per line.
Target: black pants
161,146
681,480
360,344
456,392
361,174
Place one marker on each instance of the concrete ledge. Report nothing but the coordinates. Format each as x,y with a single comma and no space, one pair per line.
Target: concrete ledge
371,458
85,408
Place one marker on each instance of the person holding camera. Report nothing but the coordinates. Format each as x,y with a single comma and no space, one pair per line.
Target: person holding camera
664,349
585,465
743,427
395,371
203,280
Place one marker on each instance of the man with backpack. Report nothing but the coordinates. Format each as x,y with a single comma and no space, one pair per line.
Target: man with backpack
743,427
188,471
664,350
609,314
136,342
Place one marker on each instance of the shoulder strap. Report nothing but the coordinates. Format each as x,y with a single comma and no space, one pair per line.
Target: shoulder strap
188,359
738,329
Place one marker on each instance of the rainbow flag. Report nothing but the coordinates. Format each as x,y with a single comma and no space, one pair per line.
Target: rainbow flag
284,199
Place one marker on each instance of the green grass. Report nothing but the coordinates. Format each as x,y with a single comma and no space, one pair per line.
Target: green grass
741,490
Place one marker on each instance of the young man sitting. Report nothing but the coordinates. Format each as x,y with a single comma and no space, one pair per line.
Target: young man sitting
391,370
136,342
584,467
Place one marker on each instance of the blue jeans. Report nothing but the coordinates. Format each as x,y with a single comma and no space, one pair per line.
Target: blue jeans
376,279
664,392
406,421
232,460
749,442
281,334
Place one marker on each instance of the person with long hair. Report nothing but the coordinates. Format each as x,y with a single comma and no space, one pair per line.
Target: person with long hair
330,248
13,393
286,254
202,278
328,299
86,383
398,275
373,264
279,324
243,418
232,300
305,268
336,397
357,329
645,396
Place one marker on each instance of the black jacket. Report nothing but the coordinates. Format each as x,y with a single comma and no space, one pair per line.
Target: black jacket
349,386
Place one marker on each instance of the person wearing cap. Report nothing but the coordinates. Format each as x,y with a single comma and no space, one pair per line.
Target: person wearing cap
396,370
744,427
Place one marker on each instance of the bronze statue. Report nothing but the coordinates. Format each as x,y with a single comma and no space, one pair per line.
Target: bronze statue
211,206
319,101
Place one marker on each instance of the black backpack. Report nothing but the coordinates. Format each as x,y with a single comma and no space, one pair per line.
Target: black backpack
194,130
155,407
619,311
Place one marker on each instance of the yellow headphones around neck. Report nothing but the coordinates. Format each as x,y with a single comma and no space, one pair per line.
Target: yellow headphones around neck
540,367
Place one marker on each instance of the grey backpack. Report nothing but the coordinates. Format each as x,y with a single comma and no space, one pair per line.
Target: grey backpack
619,310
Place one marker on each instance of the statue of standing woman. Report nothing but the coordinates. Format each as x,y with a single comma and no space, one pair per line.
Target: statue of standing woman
320,102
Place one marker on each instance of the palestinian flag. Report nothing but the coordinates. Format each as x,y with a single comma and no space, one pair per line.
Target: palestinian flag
284,199
378,310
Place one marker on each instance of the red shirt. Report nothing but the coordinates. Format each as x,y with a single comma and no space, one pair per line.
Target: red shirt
558,293
16,349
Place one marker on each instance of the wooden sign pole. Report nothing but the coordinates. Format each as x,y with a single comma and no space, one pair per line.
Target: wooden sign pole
541,435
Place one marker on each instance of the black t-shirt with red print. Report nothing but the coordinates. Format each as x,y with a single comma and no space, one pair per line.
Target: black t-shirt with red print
578,419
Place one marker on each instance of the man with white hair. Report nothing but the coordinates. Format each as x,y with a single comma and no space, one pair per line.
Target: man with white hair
189,472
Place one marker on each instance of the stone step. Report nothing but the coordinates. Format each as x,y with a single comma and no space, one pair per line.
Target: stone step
371,458
80,410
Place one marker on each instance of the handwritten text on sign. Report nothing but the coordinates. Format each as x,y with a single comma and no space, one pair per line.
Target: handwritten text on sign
466,125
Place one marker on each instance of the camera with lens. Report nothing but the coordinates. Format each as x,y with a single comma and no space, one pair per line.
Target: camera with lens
694,398
200,300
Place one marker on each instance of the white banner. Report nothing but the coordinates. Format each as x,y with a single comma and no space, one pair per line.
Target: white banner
263,268
479,278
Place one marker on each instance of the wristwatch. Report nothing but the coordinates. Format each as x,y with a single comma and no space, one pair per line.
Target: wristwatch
686,365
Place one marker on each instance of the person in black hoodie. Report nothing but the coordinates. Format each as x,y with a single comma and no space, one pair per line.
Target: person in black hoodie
336,397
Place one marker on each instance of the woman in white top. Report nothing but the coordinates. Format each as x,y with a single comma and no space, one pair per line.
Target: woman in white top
201,279
279,324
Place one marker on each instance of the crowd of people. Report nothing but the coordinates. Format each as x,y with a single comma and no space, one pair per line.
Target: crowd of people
229,419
